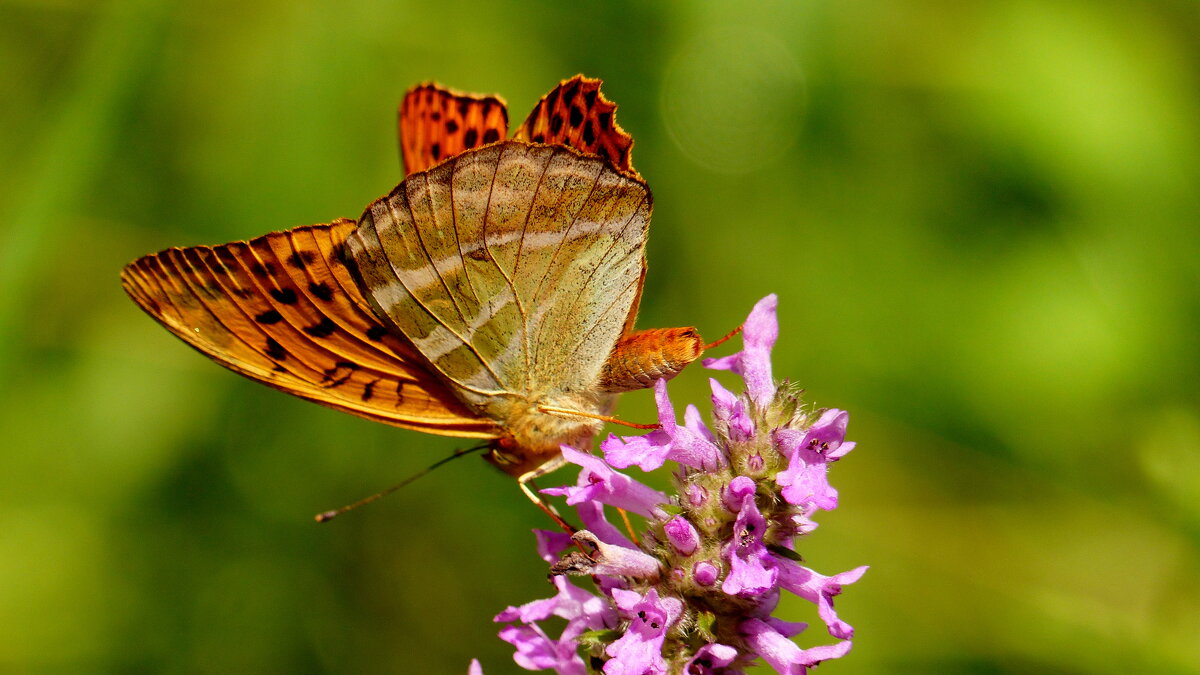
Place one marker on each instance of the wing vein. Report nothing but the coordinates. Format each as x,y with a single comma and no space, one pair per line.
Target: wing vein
487,211
425,249
521,246
558,249
607,254
396,274
458,240
616,240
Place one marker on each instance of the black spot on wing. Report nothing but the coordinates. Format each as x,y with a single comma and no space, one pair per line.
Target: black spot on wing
324,329
376,333
570,91
285,296
338,374
268,317
321,290
590,97
576,116
605,120
451,126
491,136
275,350
470,138
301,259
369,390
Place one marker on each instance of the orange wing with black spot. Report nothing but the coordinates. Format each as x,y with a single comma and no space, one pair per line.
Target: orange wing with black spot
577,114
284,310
436,123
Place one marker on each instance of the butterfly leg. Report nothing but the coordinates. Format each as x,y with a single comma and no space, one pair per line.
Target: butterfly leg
526,480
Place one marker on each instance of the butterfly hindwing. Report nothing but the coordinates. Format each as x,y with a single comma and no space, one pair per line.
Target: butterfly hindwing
512,268
282,309
577,114
436,123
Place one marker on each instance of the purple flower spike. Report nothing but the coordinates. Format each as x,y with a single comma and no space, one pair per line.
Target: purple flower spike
809,454
820,590
474,668
716,554
753,363
781,653
684,444
639,650
597,481
709,658
751,568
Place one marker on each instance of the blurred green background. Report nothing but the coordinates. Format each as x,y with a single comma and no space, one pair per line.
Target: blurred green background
981,219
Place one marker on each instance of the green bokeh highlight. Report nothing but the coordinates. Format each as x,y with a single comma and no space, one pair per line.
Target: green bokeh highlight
981,219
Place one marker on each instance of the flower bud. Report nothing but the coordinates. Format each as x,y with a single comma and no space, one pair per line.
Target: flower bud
682,535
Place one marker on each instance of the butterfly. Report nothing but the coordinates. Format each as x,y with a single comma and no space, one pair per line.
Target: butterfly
490,295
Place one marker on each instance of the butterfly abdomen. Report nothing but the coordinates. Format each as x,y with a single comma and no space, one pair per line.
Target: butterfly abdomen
645,356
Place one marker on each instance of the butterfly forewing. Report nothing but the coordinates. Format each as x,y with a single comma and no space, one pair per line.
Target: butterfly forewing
512,268
283,310
436,123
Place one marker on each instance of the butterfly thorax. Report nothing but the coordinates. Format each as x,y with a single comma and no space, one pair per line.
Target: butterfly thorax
533,437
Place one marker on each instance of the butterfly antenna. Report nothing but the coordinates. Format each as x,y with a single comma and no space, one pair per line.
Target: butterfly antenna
603,418
723,340
330,515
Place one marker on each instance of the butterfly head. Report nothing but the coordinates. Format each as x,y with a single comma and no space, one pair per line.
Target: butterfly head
513,459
